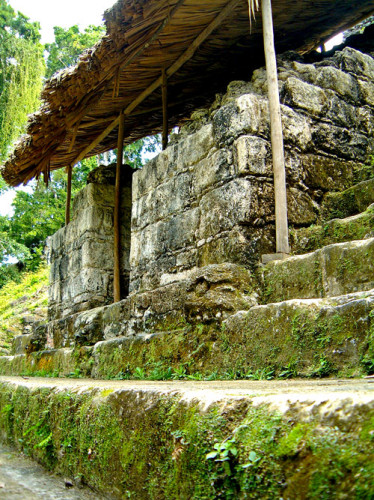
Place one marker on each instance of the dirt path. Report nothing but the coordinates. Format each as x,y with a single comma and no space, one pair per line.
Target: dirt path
24,479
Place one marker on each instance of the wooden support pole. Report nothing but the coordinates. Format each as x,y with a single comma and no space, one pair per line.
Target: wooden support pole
117,207
281,221
68,194
165,127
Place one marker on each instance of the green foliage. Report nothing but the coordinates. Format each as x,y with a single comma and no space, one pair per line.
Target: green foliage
69,44
36,216
21,71
42,212
19,299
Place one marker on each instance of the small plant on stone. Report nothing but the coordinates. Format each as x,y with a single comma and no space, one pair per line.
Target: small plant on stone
266,373
179,373
75,374
324,369
139,373
289,371
224,453
161,373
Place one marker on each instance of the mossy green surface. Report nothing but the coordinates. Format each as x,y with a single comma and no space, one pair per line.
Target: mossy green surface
134,444
335,231
17,299
280,340
295,338
349,202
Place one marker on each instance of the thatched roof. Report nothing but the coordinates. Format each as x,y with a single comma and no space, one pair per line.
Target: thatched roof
144,37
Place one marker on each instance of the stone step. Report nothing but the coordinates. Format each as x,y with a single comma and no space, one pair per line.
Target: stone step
300,337
237,439
352,201
356,227
309,337
333,270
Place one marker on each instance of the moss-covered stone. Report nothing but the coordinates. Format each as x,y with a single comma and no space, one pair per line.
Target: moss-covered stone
310,337
349,202
331,271
50,363
154,443
312,238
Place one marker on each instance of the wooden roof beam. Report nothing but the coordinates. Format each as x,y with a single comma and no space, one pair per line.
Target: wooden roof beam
186,56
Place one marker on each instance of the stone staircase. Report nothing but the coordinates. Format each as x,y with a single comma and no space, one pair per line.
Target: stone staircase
316,309
311,314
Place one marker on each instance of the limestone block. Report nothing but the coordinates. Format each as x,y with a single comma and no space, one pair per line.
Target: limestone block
297,277
54,293
352,201
143,245
305,96
115,318
186,259
348,267
61,331
323,172
342,114
148,275
195,147
355,62
165,164
88,327
90,280
178,232
334,79
166,298
96,219
308,72
56,242
241,245
367,91
301,209
297,129
365,120
252,155
341,142
165,200
216,168
100,195
145,179
216,291
248,115
296,330
21,343
155,172
226,206
97,254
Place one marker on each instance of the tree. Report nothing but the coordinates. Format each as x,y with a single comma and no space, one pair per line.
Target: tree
69,44
22,69
42,212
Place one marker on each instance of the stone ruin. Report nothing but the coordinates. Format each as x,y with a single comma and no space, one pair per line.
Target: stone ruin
196,219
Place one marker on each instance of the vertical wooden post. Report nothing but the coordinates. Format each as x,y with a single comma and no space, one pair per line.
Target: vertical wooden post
117,207
165,128
281,221
68,195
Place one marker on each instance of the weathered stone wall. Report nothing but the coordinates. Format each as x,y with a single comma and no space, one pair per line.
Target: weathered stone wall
208,198
81,253
203,211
